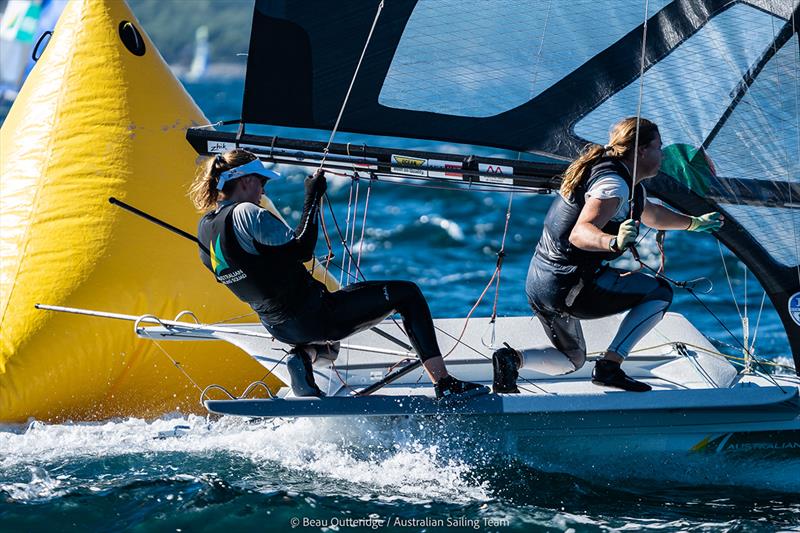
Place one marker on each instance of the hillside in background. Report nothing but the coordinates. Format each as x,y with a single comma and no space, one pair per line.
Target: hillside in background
172,25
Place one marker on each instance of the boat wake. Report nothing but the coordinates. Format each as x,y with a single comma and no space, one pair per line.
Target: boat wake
360,459
401,459
225,472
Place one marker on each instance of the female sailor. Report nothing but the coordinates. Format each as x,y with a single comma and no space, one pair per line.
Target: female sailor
258,257
593,220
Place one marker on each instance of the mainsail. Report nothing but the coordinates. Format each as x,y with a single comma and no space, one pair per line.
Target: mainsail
720,77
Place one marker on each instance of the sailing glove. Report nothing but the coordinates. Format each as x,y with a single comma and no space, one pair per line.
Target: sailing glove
316,185
628,231
707,223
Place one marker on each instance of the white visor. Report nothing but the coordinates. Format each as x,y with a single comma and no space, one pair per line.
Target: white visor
253,167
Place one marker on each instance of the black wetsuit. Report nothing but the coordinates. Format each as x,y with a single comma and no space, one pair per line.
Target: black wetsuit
292,305
566,284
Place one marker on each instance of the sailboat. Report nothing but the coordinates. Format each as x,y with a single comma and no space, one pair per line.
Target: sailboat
21,24
539,80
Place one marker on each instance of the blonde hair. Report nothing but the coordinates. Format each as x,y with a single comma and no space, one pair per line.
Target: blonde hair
203,192
621,142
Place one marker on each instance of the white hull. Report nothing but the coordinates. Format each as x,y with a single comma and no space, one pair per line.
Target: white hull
698,402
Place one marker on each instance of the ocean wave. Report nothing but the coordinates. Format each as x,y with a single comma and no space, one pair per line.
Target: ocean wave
384,461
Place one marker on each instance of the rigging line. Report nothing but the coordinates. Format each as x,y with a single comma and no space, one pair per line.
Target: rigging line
684,285
272,369
375,329
532,95
231,319
499,267
495,276
351,262
364,224
177,365
352,83
327,238
338,375
634,183
458,340
700,349
745,320
343,238
721,323
728,277
758,321
363,277
466,319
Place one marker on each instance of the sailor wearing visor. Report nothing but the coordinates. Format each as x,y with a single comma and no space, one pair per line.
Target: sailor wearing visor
258,257
593,220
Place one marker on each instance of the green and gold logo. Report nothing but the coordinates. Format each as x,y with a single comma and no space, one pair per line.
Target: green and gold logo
218,262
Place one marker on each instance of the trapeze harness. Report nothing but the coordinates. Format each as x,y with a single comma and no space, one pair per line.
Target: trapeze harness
294,307
566,284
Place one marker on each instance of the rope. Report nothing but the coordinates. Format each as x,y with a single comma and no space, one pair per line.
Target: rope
364,224
350,260
177,365
329,256
639,108
728,278
498,269
344,241
231,319
744,348
336,128
458,340
343,238
758,321
690,289
269,372
702,349
352,82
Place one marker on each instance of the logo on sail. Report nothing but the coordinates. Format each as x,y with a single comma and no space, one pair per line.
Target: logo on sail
497,172
445,166
406,165
794,308
219,147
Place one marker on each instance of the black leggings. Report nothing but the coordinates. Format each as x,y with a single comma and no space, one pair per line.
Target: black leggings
609,292
332,316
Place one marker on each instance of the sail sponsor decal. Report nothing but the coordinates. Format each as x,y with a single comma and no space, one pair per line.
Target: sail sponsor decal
794,308
410,166
454,168
496,174
219,147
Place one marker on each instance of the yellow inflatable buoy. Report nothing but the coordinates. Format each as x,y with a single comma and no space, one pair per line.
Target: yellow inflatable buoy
101,115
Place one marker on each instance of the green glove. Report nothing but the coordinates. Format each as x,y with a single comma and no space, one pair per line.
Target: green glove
707,223
628,231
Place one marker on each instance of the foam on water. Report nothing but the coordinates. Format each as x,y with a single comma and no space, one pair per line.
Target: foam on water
384,462
405,460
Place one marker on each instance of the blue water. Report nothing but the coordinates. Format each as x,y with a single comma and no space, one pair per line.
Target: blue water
331,476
